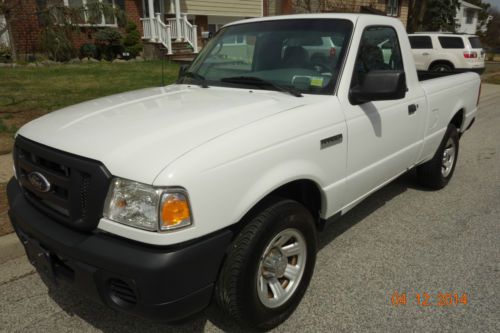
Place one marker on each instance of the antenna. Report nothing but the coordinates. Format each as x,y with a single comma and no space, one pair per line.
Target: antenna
163,68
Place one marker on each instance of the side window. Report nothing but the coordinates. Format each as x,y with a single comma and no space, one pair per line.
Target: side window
379,50
451,42
420,42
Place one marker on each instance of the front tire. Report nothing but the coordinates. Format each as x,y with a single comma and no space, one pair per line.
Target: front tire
269,266
437,172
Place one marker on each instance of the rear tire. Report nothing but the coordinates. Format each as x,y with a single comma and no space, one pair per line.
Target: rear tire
441,68
437,172
269,266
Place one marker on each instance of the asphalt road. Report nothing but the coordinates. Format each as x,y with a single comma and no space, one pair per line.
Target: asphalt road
402,238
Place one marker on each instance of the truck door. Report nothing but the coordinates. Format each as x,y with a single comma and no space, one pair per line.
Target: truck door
383,137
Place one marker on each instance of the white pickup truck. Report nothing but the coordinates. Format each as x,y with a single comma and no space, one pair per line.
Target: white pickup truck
158,201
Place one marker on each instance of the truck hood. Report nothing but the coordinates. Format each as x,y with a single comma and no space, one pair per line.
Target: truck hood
137,134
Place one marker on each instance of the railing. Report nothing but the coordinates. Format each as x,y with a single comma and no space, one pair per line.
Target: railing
157,31
185,31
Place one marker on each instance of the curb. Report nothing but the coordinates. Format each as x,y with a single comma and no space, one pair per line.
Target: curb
10,248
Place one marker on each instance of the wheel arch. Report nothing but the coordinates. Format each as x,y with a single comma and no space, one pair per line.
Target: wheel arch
441,61
303,190
458,119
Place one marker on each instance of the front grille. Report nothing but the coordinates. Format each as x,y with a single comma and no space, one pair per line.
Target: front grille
78,185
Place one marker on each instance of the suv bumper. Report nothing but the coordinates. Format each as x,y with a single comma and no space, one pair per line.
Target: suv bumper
160,283
478,70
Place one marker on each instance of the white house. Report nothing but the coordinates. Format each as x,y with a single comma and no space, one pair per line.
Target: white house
467,18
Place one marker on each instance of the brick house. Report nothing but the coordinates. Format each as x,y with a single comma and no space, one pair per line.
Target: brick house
396,8
187,20
162,23
26,26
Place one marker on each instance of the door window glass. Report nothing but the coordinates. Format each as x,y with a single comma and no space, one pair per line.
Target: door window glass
379,50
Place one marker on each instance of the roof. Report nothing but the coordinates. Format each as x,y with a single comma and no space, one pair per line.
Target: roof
437,33
346,16
469,5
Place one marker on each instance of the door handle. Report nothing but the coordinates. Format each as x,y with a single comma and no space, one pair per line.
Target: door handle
412,108
425,54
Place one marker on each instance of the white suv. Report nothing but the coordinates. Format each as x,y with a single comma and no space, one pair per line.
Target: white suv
445,52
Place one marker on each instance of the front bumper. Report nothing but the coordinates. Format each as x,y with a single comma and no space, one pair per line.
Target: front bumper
160,283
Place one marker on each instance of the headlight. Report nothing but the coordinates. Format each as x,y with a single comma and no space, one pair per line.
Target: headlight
147,207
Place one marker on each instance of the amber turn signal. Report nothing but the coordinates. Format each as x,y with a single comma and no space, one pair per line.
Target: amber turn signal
175,211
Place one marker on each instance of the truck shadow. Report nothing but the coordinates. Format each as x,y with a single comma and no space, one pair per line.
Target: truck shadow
108,320
369,205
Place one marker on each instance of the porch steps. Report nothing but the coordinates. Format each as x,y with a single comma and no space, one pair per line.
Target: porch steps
182,52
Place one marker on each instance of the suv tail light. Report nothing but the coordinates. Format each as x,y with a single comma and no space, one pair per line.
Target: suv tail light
470,55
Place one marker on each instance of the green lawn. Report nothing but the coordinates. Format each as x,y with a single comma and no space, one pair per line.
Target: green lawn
51,88
28,92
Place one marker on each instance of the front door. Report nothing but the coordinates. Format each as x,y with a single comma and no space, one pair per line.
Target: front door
384,137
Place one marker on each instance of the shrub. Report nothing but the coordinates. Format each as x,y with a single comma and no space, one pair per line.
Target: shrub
132,40
89,51
58,44
109,42
5,54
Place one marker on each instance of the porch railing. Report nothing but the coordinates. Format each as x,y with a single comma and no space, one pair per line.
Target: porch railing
187,32
157,31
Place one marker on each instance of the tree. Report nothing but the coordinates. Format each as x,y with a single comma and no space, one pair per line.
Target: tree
432,15
440,15
491,37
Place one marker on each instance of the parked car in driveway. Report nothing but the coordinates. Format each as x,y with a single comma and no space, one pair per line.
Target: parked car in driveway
156,202
447,52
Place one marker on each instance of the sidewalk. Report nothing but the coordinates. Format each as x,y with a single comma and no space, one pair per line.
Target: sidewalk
6,173
10,247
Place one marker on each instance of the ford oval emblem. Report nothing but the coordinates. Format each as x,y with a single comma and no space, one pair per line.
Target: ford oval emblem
39,182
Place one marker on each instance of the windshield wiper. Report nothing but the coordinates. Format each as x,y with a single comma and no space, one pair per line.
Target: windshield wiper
200,78
258,82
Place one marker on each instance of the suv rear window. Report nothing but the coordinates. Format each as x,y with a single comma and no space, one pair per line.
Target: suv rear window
451,42
420,42
475,42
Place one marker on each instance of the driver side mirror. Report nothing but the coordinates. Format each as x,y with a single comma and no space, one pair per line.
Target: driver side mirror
379,85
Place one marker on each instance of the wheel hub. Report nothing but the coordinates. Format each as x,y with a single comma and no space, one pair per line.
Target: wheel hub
274,264
281,267
448,158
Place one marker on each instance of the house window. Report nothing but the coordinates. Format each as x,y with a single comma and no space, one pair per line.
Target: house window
392,7
94,12
469,16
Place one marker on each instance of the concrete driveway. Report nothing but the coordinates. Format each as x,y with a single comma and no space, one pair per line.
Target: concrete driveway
402,239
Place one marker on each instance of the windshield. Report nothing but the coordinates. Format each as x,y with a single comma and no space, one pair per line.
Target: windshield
303,56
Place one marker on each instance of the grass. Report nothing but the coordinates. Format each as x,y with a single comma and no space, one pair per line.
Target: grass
51,88
29,92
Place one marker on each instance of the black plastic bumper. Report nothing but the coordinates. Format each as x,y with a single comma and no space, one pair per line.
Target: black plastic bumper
474,70
160,283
